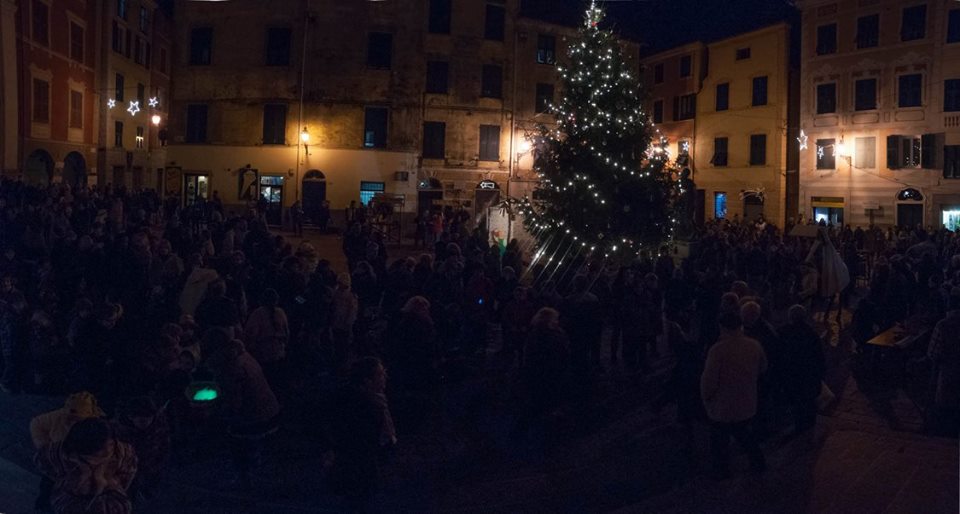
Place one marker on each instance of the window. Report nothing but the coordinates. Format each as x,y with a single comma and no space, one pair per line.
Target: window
546,49
76,109
906,151
146,55
118,134
826,98
658,111
41,101
139,138
369,189
163,60
658,73
827,39
685,66
909,93
117,40
119,85
201,46
544,97
137,50
953,26
865,95
913,24
278,46
127,47
826,160
122,9
76,42
439,20
494,22
719,205
144,19
743,53
868,31
684,107
141,93
375,127
379,50
41,19
719,152
758,149
434,139
865,152
489,142
951,161
197,123
491,83
274,124
760,91
723,96
951,95
437,77
683,152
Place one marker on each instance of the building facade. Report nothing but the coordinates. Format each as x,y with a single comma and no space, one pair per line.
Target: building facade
425,103
135,43
880,112
9,87
56,90
742,125
673,80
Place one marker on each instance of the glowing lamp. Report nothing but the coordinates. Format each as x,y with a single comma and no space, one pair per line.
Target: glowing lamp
524,146
203,392
155,119
304,136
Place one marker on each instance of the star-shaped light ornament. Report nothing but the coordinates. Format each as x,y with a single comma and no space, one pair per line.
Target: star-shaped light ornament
134,107
111,103
819,152
803,140
153,102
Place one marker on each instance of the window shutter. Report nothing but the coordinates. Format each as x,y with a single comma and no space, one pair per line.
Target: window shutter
676,108
893,152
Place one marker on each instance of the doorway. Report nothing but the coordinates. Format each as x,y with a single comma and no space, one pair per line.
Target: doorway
314,196
119,176
39,169
909,215
271,198
75,170
195,187
752,207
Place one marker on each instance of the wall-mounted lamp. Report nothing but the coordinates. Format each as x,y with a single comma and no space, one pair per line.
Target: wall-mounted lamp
304,136
155,119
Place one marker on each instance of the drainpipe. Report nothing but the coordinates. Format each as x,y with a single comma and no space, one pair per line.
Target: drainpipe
513,123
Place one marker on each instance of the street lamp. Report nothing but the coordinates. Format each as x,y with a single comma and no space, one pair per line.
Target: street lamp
155,119
304,136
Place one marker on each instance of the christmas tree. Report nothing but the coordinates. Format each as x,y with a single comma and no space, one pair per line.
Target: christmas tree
605,177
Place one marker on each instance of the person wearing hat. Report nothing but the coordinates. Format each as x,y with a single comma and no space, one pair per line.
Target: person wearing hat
53,427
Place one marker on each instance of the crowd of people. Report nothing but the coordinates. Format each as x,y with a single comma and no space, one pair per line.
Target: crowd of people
128,302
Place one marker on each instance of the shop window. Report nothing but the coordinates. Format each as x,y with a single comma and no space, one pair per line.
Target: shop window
369,189
827,98
913,24
720,205
868,31
827,39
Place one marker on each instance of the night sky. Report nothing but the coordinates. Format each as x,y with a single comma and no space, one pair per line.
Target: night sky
662,24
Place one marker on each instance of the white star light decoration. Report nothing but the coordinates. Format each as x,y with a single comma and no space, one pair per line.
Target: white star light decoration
819,152
111,103
153,102
134,107
802,140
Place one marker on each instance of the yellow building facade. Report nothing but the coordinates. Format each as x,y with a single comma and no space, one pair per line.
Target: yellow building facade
742,128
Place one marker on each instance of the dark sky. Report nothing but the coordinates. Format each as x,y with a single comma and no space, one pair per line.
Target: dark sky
661,24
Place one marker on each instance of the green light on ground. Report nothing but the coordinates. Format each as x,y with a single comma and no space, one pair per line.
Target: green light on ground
205,394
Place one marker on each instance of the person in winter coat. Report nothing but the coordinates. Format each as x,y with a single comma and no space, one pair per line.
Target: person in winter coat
803,367
247,402
266,335
757,328
582,320
544,370
344,306
412,346
91,470
143,426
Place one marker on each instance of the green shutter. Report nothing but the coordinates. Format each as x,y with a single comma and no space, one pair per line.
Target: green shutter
893,152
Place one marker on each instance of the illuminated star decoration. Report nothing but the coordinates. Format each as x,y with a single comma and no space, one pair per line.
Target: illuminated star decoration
802,140
153,102
819,152
134,107
685,147
111,103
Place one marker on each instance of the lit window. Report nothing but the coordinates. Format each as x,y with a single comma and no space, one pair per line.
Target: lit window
369,189
720,205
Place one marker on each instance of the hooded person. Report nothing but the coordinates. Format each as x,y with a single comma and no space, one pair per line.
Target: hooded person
196,285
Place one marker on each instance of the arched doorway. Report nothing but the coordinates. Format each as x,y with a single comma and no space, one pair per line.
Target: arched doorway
486,196
314,196
752,207
39,169
428,190
75,170
909,208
